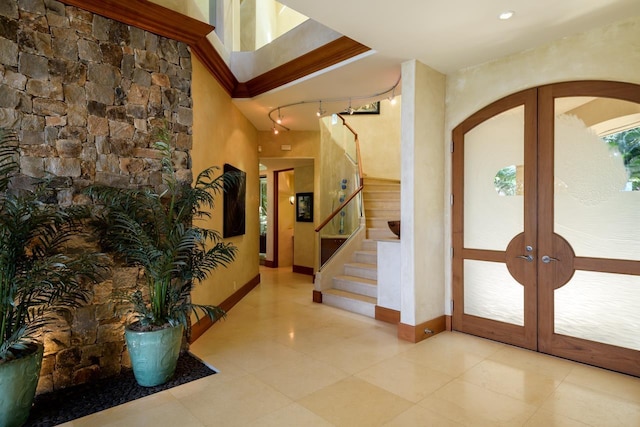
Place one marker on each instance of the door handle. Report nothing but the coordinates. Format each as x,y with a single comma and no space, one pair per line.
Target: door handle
547,259
528,258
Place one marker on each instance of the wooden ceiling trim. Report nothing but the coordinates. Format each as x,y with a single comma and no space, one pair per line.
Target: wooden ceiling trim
213,62
168,23
148,16
318,59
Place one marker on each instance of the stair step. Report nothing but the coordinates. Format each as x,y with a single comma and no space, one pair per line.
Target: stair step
375,181
382,204
382,213
370,245
348,301
376,222
367,257
380,233
380,195
381,187
356,285
358,269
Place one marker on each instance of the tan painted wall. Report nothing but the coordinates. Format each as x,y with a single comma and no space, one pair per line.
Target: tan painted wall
379,137
422,202
304,232
607,53
303,144
221,134
286,212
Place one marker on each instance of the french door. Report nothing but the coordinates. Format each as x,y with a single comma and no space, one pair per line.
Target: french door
546,222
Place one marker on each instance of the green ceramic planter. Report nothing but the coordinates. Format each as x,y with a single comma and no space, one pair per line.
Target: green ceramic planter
154,354
18,382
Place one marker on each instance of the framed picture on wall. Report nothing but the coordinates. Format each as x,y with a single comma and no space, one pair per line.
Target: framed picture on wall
371,108
304,207
234,203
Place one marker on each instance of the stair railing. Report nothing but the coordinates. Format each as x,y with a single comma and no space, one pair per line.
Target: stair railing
345,219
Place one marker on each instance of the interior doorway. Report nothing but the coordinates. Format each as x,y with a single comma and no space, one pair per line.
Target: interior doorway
284,197
545,237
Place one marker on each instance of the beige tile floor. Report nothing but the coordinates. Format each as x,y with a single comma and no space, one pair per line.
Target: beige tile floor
285,361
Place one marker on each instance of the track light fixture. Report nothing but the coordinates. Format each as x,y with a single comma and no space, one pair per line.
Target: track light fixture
277,121
350,110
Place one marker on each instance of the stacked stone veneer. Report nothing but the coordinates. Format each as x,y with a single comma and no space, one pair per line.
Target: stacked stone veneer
85,94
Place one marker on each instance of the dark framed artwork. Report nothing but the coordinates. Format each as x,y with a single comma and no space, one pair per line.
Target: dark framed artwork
304,207
234,202
371,108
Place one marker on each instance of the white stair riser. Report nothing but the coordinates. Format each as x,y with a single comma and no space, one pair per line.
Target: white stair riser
379,222
382,187
369,245
366,258
375,205
380,233
381,195
356,287
366,273
348,304
382,213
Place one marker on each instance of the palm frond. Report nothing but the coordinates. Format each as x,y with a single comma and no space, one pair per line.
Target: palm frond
37,280
156,232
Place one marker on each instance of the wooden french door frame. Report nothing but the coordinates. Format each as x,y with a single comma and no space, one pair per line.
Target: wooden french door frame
523,336
582,350
538,330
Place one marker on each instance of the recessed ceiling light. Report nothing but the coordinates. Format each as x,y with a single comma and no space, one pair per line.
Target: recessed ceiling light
506,15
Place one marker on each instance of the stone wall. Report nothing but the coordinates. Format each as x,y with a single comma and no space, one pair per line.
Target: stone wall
85,95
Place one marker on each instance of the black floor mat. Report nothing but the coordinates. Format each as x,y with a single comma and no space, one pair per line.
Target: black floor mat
64,405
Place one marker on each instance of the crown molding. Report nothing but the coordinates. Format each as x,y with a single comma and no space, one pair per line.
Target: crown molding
318,59
168,23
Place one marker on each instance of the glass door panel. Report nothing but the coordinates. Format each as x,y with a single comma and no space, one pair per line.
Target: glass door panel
494,184
492,293
601,307
597,176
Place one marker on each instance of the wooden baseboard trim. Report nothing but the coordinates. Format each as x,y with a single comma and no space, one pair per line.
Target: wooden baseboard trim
303,270
317,296
387,315
201,326
417,333
269,263
448,324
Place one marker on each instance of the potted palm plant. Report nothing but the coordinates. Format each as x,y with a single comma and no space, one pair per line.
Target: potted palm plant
38,280
162,234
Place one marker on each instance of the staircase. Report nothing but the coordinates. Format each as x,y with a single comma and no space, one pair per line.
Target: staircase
356,289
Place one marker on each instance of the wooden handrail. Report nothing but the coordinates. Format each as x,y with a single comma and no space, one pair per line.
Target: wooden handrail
357,142
338,209
361,183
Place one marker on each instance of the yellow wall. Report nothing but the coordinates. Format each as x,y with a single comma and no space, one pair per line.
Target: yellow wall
379,136
221,134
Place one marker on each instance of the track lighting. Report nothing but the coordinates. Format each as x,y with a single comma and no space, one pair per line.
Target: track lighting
320,112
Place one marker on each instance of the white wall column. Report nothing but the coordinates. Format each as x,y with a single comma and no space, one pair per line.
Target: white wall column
423,198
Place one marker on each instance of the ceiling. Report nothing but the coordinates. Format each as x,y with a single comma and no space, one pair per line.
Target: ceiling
446,35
